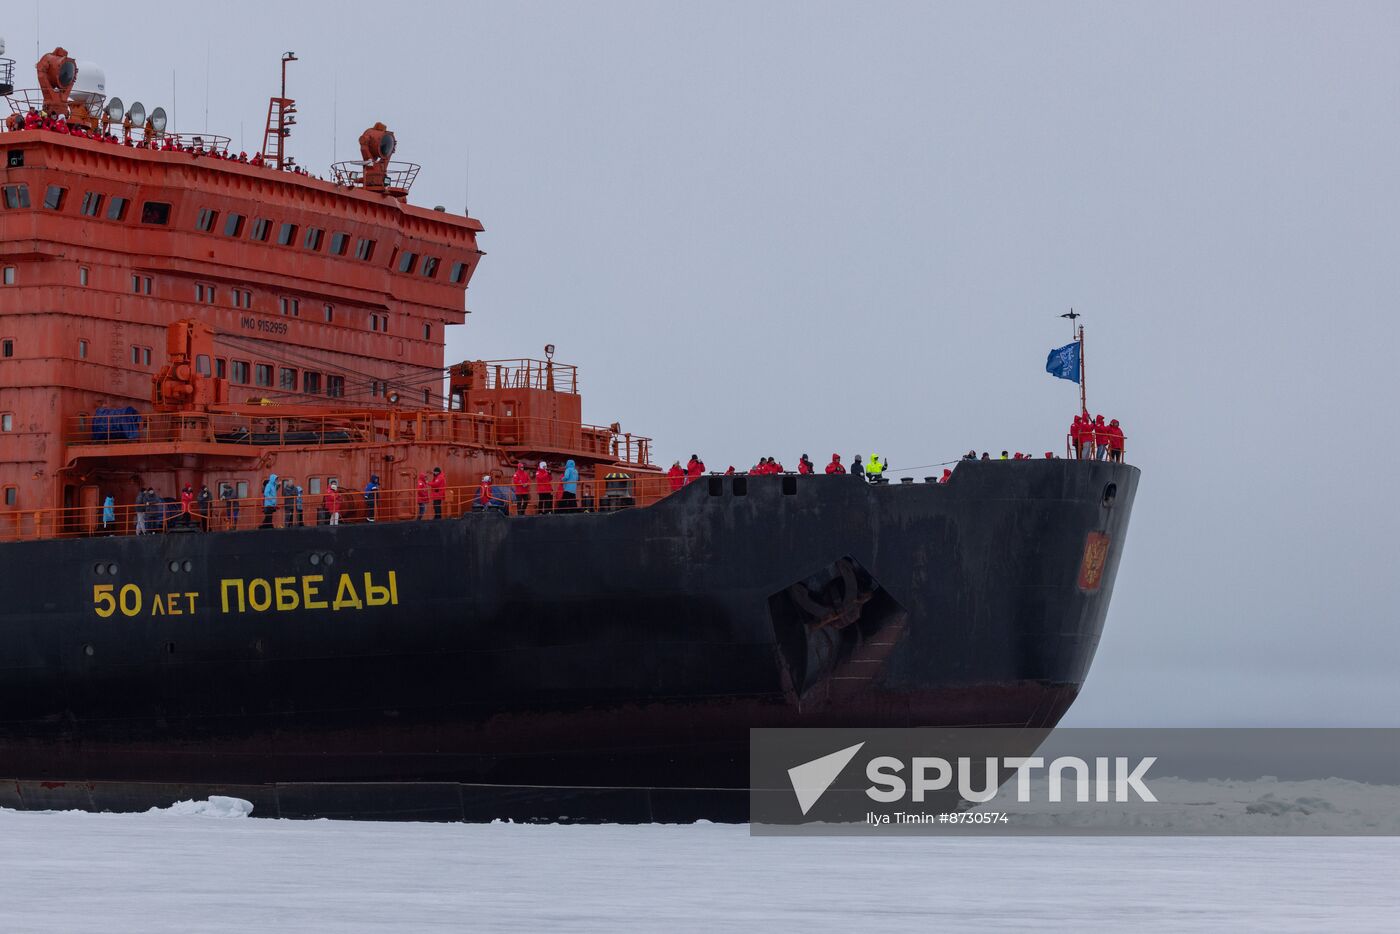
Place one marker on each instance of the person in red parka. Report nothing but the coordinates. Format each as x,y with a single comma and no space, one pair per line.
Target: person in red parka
422,494
521,483
544,488
730,471
1115,441
804,466
1100,438
835,466
677,476
438,485
947,475
332,501
483,493
186,504
694,469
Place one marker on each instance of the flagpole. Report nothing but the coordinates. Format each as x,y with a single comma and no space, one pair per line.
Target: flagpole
1083,399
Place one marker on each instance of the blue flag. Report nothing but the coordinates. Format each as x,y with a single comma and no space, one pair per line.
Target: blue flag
1064,362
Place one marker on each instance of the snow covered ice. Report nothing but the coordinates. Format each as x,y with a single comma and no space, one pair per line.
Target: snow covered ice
182,870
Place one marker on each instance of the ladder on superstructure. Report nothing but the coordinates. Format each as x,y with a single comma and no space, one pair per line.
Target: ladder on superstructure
281,117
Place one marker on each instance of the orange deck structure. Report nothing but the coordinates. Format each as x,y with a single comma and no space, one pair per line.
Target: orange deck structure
258,320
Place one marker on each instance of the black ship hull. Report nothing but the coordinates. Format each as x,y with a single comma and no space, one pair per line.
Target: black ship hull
474,664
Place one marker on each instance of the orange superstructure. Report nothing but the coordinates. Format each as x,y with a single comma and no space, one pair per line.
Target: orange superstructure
235,308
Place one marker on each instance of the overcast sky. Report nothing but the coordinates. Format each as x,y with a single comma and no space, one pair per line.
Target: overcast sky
770,228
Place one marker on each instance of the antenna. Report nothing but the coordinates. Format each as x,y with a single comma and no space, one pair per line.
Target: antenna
208,55
467,182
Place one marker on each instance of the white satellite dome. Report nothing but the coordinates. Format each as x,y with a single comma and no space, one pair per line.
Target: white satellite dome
2,45
91,86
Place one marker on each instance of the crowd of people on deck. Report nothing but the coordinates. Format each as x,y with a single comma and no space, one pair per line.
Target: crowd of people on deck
529,491
151,140
1094,440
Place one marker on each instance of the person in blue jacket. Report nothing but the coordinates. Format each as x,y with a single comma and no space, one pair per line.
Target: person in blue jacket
109,512
372,494
568,502
269,501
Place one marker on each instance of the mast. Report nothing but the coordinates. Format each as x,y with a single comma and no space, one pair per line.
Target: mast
1083,403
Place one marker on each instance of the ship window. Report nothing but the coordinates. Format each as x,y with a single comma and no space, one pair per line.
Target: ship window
53,197
203,293
92,203
16,196
7,422
286,234
311,383
741,486
16,159
313,238
287,378
233,225
240,371
207,218
263,374
290,306
155,212
427,332
427,397
8,275
141,285
82,275
11,495
241,489
201,364
406,262
459,273
116,209
82,349
220,368
261,227
7,347
313,485
339,243
329,312
146,356
364,249
335,386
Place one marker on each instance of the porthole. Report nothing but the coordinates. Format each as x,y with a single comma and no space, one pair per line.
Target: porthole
100,569
1110,493
188,566
315,559
175,567
112,570
88,649
169,648
329,559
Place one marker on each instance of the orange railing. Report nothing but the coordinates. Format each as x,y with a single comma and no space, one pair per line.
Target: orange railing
523,434
1121,454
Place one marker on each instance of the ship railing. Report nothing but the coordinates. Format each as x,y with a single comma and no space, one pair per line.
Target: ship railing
599,491
128,428
398,176
516,434
1121,454
528,433
526,373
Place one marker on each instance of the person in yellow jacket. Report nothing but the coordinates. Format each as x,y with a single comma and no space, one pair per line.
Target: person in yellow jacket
875,467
